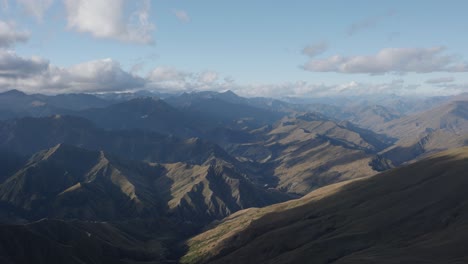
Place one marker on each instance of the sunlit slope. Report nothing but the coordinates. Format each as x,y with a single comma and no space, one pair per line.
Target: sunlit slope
414,214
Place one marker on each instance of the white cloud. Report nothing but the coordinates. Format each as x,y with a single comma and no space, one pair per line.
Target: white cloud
161,74
37,75
10,35
315,49
36,8
101,75
106,19
208,77
182,15
391,60
13,66
440,80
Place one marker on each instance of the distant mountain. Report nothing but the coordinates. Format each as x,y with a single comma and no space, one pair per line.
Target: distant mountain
372,117
148,113
451,116
74,101
310,151
413,214
16,137
14,104
224,109
404,105
187,99
366,116
434,130
18,104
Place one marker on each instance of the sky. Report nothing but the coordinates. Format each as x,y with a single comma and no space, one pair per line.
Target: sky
296,48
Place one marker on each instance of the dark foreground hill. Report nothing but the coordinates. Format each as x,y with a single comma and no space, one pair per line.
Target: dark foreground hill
413,214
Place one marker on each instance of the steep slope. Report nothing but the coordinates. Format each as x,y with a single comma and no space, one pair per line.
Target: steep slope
213,190
414,214
373,116
66,182
438,129
311,151
451,117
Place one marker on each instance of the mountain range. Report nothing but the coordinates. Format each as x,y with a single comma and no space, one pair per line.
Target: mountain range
212,177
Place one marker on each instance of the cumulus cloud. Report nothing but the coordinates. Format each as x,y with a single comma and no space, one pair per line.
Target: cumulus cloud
315,49
440,80
100,75
182,15
106,19
13,66
391,60
37,75
10,35
35,8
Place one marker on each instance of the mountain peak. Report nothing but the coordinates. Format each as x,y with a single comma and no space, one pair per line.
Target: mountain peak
13,92
229,92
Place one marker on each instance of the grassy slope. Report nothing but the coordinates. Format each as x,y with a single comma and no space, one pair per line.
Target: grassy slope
414,214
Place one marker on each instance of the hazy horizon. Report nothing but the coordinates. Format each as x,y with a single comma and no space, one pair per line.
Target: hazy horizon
298,49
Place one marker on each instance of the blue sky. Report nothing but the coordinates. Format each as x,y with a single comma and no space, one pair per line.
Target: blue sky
255,48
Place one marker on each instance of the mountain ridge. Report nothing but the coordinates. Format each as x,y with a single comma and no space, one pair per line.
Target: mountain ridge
424,211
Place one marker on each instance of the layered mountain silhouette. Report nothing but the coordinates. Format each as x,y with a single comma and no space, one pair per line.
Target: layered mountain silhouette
295,155
148,113
14,104
224,109
128,177
16,137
